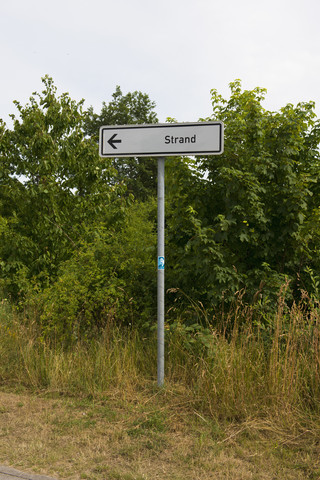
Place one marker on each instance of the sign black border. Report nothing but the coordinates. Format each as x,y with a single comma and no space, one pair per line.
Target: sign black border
161,154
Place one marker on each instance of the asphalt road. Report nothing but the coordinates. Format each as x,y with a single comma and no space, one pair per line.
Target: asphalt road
7,473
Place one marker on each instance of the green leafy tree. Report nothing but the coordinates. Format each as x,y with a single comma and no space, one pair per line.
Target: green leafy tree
139,174
54,186
250,217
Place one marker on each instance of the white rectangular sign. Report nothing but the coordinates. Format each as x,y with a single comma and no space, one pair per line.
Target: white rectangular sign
161,139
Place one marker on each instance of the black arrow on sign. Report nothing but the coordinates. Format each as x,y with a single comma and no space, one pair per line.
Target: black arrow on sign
112,141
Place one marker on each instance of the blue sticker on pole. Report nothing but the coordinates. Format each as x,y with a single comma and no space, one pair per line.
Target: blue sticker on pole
160,263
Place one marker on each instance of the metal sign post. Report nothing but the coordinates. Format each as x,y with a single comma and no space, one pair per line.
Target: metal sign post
161,140
161,267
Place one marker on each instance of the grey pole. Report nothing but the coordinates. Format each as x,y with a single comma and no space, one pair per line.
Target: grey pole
161,266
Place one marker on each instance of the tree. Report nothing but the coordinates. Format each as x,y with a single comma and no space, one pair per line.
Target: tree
139,174
250,217
54,186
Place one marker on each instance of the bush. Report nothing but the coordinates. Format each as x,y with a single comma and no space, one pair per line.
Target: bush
111,277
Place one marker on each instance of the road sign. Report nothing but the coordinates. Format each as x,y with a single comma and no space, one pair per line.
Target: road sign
161,140
158,140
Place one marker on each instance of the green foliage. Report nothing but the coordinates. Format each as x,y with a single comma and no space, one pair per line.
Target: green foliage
251,214
75,239
126,109
53,186
139,174
109,278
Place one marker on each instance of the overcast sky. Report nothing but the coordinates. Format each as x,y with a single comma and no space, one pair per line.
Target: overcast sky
176,51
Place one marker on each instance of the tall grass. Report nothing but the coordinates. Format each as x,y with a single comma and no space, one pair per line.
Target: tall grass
88,368
254,367
244,366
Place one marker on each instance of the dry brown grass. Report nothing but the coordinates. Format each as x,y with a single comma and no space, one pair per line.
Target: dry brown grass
147,435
